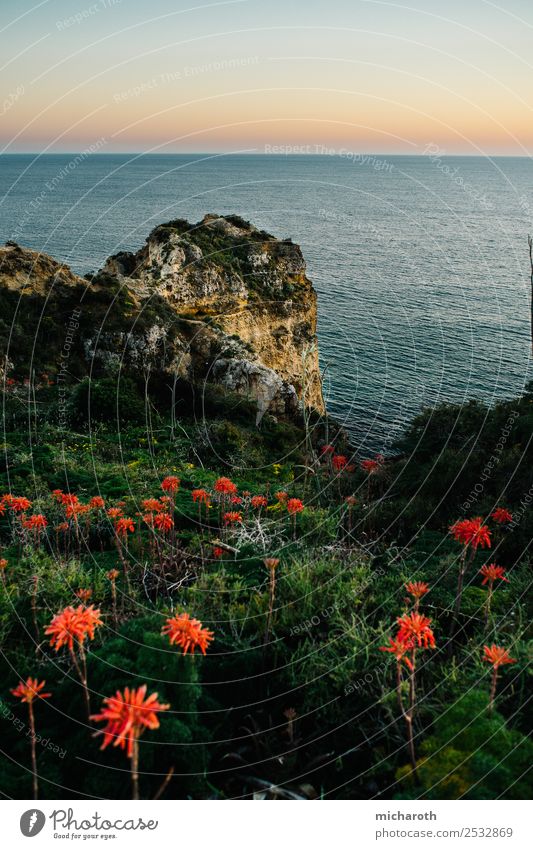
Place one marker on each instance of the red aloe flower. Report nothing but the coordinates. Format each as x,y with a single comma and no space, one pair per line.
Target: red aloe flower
417,588
471,532
127,715
72,626
258,501
200,495
225,486
74,510
502,516
170,484
281,497
491,573
232,518
163,522
19,505
497,655
415,630
217,551
29,690
114,512
187,633
370,466
294,505
151,505
124,526
339,462
66,628
97,502
37,522
57,494
326,449
84,595
399,649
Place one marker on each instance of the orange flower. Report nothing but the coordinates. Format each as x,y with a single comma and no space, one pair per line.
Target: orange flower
84,595
148,519
36,522
295,505
151,505
417,588
281,497
113,574
414,630
163,522
232,518
351,500
3,564
187,633
62,528
327,449
57,494
97,502
124,526
259,501
225,486
399,649
114,512
19,505
72,626
491,573
29,690
91,619
471,532
170,484
127,715
217,551
74,510
68,500
200,495
502,516
497,655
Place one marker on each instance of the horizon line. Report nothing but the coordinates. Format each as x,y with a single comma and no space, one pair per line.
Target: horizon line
285,155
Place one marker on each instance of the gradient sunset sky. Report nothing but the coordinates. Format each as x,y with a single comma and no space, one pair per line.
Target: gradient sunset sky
363,75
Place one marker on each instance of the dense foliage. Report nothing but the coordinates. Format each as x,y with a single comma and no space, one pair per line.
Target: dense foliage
298,556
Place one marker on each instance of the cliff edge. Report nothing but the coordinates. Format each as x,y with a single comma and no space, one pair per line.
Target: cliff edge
218,302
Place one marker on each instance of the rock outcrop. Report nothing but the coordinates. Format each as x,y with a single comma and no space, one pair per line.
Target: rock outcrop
218,302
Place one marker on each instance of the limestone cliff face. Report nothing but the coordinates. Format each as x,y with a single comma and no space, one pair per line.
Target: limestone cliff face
219,301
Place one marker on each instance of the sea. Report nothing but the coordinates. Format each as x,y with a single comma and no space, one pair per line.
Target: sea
420,262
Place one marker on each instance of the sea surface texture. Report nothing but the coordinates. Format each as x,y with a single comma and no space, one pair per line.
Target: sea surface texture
420,263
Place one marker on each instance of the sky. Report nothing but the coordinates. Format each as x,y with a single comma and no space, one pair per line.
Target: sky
265,76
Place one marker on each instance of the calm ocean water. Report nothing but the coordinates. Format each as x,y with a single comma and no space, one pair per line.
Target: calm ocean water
420,263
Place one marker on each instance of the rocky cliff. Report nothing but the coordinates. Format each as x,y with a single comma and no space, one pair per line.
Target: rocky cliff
218,302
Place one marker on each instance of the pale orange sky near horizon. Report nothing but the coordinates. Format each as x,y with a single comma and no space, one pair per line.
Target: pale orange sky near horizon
367,75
